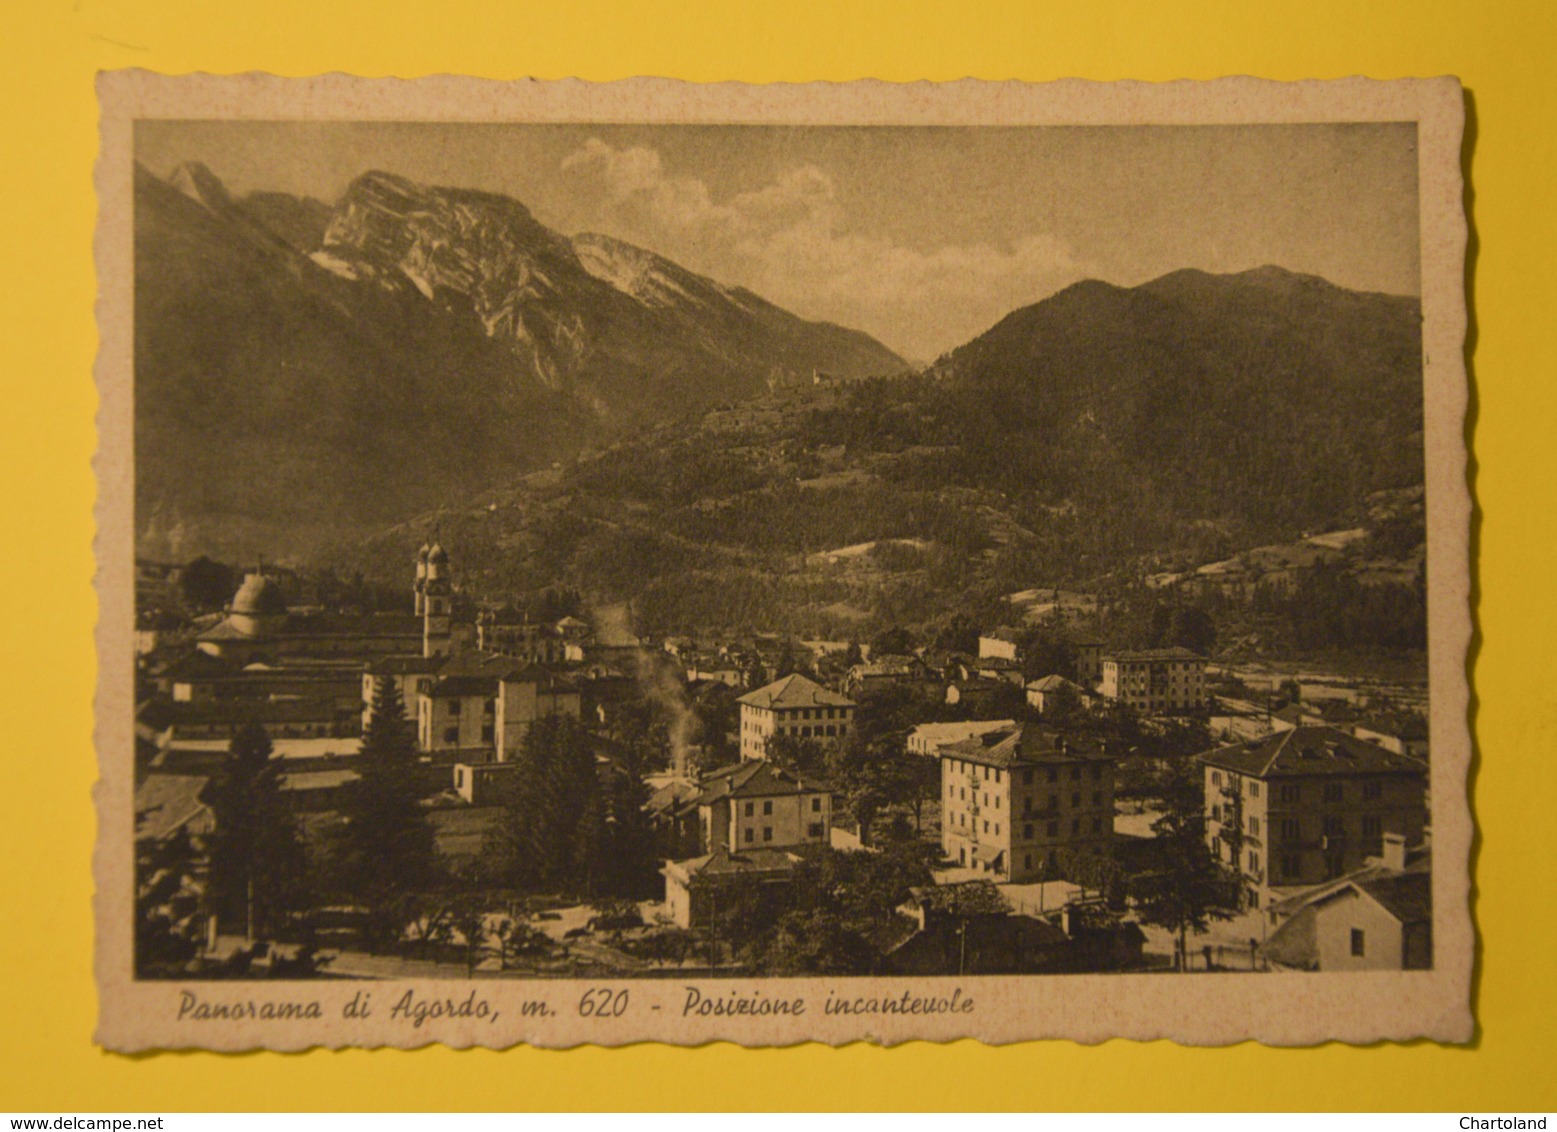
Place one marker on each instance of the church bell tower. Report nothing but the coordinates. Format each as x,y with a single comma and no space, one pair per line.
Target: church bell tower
436,601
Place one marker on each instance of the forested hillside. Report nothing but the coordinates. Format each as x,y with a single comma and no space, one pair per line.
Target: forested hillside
1096,437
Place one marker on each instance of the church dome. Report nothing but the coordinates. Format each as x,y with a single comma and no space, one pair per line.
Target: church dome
259,596
424,552
437,553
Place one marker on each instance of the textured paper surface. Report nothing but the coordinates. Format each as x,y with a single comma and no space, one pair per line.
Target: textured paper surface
1205,1009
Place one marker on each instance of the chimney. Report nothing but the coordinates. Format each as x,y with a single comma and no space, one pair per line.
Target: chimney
1394,855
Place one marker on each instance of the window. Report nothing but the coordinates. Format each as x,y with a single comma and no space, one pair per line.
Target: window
1335,825
1075,774
1254,826
1075,800
1097,774
815,829
831,729
751,808
751,834
1372,826
1027,861
767,808
486,733
1054,774
986,825
1372,791
1097,825
1334,792
1254,861
1291,829
1291,792
1027,831
1027,778
1097,797
767,833
1254,789
1075,826
1291,865
997,829
1054,801
454,707
816,805
1359,943
1053,829
451,734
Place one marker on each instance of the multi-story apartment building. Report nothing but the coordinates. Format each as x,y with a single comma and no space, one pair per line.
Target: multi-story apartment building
1156,680
757,805
1015,801
1307,805
795,705
482,705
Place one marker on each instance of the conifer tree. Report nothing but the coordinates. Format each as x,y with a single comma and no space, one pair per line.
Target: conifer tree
389,848
257,858
554,807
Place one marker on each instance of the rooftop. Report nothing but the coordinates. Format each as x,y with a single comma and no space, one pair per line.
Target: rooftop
754,778
751,862
1311,751
165,803
1141,655
794,691
1027,744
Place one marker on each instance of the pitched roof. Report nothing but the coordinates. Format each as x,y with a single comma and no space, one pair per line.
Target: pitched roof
794,691
165,803
464,686
406,665
754,778
1311,751
1027,744
1406,896
749,862
1054,683
937,734
1175,653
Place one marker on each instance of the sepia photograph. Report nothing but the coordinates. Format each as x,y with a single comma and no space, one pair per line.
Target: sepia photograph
780,574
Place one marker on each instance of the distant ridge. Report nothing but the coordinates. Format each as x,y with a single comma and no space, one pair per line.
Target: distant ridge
305,370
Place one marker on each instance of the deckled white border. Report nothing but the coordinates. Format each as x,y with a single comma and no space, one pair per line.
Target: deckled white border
1285,1010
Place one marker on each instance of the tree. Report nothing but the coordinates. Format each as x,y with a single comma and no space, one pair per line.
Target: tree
1047,650
555,808
1192,628
815,942
389,849
895,641
257,858
960,634
1189,887
167,927
205,584
805,757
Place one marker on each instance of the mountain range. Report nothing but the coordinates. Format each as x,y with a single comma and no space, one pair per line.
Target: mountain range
1088,440
306,371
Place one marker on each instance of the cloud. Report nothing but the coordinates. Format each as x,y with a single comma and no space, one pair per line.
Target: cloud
790,242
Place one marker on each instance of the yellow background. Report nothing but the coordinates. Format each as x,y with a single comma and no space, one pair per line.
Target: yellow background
1504,50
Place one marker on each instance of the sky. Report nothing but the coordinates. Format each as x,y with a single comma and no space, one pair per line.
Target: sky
921,236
